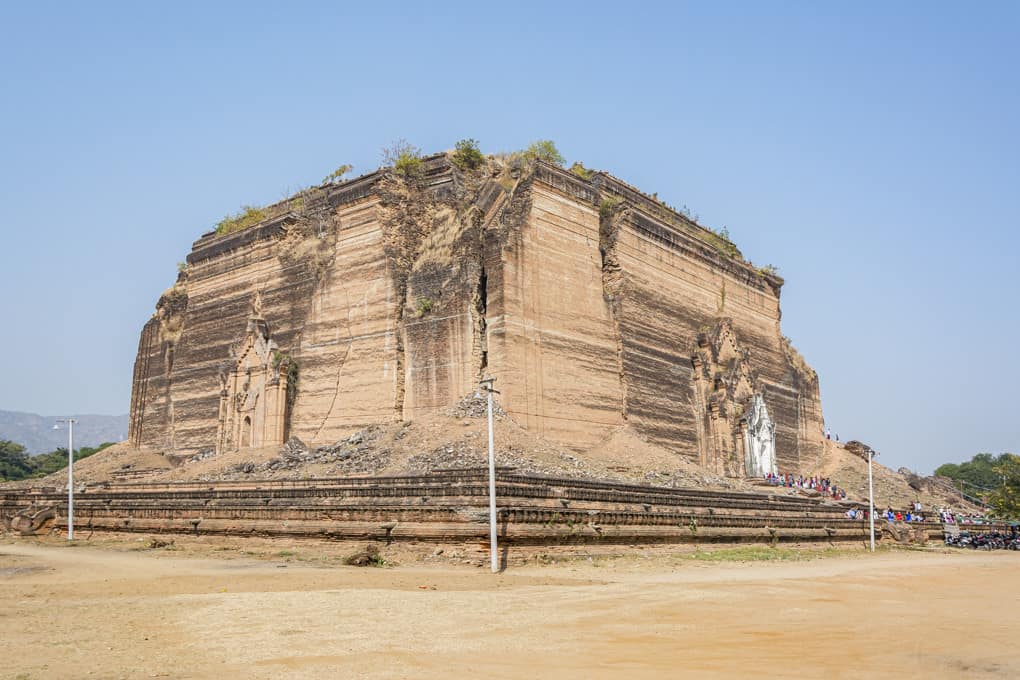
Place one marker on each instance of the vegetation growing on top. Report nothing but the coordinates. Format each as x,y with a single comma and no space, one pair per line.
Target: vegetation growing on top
769,270
690,214
338,174
16,463
248,216
544,150
578,169
182,267
467,155
405,159
723,244
607,206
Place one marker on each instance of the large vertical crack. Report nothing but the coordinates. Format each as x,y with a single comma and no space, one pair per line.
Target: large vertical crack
610,217
481,300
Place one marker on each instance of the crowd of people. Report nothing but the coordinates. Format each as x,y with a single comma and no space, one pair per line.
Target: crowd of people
825,487
948,516
822,485
914,514
904,516
889,515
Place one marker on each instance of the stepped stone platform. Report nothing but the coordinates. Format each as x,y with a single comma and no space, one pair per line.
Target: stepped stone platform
448,506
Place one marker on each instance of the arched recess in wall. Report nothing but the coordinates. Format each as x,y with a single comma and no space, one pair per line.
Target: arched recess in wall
246,433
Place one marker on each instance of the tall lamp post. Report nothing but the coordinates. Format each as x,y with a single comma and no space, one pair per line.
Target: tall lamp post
493,554
871,499
70,474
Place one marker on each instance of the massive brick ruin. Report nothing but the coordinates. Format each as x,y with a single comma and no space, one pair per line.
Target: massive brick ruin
593,305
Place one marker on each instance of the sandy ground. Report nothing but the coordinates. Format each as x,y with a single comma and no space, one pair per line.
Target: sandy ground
117,611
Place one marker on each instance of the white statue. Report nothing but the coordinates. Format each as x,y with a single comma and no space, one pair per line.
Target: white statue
759,440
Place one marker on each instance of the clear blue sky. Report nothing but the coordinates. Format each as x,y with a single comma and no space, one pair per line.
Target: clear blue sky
870,151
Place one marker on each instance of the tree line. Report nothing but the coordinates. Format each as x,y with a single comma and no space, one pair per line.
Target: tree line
994,478
16,463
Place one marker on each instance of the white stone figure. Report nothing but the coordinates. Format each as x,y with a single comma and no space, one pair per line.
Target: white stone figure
759,440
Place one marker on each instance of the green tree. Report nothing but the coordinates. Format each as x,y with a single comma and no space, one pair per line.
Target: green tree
1005,500
405,159
16,464
14,461
978,472
48,463
467,155
544,150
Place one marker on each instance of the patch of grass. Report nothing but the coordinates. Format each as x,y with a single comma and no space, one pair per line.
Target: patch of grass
578,169
722,244
248,216
424,306
757,553
286,553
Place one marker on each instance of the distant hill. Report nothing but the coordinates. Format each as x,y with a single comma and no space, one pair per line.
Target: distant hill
37,435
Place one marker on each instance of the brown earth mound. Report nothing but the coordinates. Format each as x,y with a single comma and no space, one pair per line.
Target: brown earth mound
458,439
453,440
850,471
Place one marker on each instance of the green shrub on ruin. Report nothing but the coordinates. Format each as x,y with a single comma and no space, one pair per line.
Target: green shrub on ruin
578,169
338,174
769,270
467,155
544,150
248,216
608,206
424,305
405,159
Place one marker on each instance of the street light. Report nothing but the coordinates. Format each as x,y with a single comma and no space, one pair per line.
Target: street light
871,499
493,555
70,474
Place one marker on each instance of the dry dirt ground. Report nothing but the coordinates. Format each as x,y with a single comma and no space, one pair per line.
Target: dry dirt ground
255,609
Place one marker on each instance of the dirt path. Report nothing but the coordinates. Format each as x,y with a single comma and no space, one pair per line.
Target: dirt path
80,612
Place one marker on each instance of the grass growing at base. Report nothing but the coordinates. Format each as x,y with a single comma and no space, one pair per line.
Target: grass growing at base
758,553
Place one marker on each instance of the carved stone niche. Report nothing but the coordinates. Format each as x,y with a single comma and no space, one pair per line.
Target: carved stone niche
737,436
253,394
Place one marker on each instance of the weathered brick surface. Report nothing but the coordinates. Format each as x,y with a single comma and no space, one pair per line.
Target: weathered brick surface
444,507
594,307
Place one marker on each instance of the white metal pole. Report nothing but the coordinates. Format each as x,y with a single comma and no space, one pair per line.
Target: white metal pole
494,555
70,479
871,500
